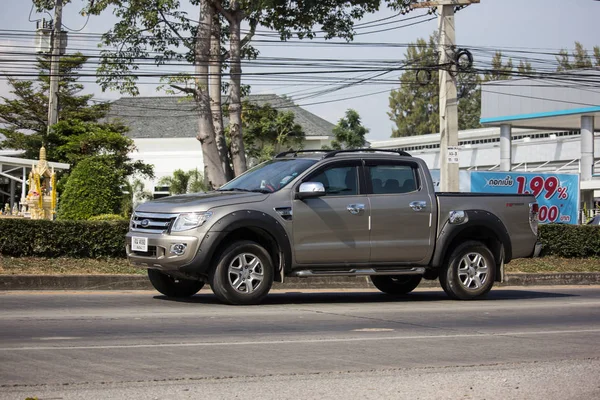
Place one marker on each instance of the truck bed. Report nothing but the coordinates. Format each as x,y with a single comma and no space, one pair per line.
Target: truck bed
511,209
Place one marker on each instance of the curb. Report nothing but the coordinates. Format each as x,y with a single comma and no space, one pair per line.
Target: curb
140,282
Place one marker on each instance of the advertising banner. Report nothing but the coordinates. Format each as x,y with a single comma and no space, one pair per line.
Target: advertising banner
556,194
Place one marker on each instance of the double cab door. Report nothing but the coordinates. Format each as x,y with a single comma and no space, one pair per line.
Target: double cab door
373,212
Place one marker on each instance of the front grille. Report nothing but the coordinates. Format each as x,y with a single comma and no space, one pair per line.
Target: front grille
151,222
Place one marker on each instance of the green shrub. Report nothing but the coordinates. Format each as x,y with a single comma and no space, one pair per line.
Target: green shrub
93,188
570,241
107,217
80,239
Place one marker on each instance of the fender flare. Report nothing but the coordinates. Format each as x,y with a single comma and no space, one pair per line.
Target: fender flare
476,218
251,219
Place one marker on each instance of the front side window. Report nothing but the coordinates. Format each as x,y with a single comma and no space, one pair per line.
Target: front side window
269,176
338,181
392,179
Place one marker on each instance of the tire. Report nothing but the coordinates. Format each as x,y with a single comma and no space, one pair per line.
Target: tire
470,272
243,274
173,287
396,284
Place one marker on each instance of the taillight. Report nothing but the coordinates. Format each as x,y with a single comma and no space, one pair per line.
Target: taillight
534,208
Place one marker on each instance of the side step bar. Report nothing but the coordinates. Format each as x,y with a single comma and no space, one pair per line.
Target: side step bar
305,273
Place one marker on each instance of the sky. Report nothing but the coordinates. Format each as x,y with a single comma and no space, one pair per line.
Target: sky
525,24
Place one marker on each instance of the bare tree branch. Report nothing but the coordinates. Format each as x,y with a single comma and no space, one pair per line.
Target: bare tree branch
185,41
217,4
184,89
250,34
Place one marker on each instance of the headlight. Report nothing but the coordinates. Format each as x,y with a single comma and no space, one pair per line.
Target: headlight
190,221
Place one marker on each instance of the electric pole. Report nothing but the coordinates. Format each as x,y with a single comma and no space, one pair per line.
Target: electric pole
449,161
54,65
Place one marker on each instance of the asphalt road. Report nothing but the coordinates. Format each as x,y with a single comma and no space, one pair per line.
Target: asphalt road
531,343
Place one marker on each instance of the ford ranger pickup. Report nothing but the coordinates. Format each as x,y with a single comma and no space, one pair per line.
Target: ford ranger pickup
308,214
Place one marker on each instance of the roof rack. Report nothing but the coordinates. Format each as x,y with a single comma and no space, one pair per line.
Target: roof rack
336,152
295,152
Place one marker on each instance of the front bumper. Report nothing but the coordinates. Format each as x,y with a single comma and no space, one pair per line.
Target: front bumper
159,255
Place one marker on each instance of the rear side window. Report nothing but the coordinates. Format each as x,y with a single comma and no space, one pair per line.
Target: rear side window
392,179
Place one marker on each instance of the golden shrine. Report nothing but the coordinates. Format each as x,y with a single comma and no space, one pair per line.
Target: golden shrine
41,198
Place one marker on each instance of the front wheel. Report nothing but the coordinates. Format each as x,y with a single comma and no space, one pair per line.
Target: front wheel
396,284
470,271
173,287
243,274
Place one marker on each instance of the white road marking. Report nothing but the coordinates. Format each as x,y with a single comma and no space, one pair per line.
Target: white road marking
59,338
373,330
305,341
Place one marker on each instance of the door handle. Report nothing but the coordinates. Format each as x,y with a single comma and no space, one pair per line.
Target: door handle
355,209
418,205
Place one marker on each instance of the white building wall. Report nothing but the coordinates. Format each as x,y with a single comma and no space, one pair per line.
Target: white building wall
167,155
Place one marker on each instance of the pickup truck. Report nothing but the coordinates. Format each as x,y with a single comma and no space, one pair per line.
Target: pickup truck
360,212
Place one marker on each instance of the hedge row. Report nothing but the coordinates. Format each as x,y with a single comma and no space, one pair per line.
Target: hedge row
80,239
570,241
88,239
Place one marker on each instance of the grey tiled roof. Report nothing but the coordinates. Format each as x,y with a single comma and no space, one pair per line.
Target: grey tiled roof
176,116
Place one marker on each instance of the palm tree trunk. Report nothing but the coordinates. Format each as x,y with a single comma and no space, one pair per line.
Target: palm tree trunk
235,91
214,89
206,130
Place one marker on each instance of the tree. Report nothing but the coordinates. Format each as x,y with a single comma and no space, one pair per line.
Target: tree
268,131
136,195
349,133
182,182
73,140
524,68
580,58
177,183
93,188
414,107
25,114
500,71
196,182
160,28
77,135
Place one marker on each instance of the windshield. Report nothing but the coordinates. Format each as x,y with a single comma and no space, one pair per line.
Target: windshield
270,176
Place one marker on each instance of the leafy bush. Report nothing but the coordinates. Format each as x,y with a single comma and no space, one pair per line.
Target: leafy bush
570,241
107,217
93,188
80,239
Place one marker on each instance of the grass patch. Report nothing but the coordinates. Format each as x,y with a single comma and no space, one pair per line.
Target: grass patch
553,264
86,266
65,266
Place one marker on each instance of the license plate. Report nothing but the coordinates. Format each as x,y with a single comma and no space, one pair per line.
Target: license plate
139,244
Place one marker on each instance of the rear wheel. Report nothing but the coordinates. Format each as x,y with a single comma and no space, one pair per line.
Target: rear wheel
173,287
470,271
243,274
396,284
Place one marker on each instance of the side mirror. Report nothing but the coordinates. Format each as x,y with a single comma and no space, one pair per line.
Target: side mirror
309,190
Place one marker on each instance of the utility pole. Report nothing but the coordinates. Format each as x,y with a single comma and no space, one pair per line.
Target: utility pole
54,65
449,161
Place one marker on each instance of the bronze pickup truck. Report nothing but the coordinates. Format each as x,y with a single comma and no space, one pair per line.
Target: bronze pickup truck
308,214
